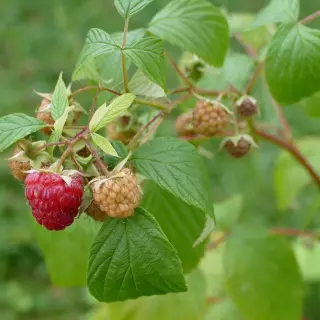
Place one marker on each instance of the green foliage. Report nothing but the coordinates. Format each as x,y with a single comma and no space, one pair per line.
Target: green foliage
262,275
142,86
290,177
104,144
224,310
59,99
66,252
129,255
180,222
311,105
106,114
278,11
175,166
148,253
220,79
178,306
15,127
128,8
195,26
293,63
97,43
147,54
60,123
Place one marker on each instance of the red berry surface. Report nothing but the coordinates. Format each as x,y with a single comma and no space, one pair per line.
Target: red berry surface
54,203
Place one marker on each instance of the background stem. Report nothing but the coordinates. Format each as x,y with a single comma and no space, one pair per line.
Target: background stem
123,58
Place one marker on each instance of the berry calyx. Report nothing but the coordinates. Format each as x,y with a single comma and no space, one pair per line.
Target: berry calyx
117,196
54,202
238,146
209,117
184,126
122,129
19,167
44,114
247,107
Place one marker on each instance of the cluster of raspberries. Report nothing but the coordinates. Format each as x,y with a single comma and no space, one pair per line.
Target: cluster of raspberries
55,201
211,118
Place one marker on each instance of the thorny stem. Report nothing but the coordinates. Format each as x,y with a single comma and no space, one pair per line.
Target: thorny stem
251,52
123,58
94,153
94,104
293,232
179,72
50,144
178,90
254,77
310,18
134,141
213,300
88,88
277,230
152,130
71,143
283,121
293,150
213,245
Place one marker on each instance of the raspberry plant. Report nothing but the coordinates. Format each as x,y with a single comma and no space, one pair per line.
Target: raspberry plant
134,211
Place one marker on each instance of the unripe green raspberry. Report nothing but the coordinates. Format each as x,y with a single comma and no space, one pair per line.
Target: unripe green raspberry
117,196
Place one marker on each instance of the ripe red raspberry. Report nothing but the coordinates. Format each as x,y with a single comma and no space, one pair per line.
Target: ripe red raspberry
117,196
44,115
247,107
184,126
95,212
209,118
238,146
54,203
19,168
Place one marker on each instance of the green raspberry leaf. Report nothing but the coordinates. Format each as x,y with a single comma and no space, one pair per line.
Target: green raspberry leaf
278,11
104,66
141,85
60,122
131,258
148,55
262,275
59,99
176,166
98,43
104,144
181,222
74,242
106,114
195,26
293,63
128,8
16,126
189,305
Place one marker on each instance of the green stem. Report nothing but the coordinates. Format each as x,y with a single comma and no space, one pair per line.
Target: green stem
123,58
88,88
310,18
153,104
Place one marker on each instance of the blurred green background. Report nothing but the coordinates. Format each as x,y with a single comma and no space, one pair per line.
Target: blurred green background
38,39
